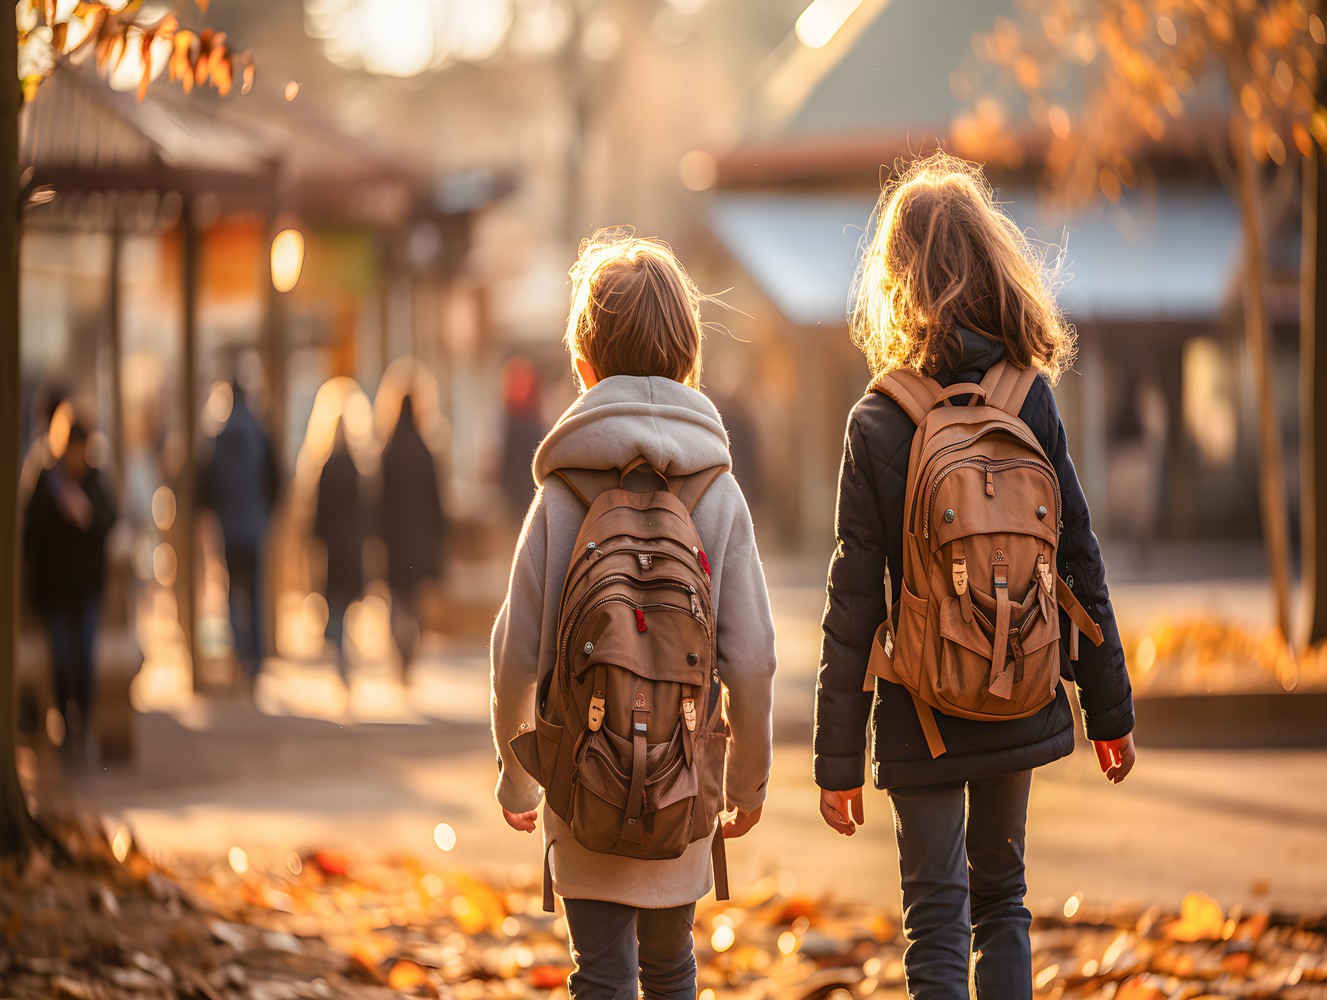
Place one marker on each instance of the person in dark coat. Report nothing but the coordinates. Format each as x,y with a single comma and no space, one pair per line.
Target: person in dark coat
339,523
240,481
411,525
949,287
523,429
68,518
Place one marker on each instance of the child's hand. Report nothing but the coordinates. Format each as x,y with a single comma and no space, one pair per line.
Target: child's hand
1116,757
741,823
524,822
840,809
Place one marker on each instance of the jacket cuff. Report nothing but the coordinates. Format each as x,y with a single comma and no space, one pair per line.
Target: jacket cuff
1111,725
840,774
517,793
746,802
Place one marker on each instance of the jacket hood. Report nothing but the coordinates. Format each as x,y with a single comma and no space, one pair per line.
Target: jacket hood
979,354
674,427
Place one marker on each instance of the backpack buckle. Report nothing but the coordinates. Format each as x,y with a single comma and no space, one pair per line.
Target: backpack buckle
595,717
1044,575
689,713
960,574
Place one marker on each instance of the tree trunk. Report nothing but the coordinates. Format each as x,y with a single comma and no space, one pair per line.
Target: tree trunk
15,824
1313,400
1271,465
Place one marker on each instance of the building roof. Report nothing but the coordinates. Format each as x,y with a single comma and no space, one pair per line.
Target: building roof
1167,257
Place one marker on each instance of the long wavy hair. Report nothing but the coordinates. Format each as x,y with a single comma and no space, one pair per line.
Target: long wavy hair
942,253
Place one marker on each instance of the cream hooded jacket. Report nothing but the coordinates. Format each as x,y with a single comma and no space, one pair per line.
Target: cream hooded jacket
679,431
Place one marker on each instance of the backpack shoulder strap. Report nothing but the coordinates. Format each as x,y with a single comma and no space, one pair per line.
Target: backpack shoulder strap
1007,386
587,484
689,489
914,392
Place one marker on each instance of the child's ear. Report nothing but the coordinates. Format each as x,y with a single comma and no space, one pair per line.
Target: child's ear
588,377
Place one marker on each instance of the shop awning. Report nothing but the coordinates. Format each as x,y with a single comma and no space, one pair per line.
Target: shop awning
1168,255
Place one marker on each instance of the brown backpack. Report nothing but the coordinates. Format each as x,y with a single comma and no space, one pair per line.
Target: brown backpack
976,630
629,739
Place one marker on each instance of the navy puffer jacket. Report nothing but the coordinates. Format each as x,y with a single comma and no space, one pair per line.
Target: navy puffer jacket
869,531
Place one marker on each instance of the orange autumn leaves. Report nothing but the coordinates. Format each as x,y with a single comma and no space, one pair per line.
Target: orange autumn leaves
1103,79
123,43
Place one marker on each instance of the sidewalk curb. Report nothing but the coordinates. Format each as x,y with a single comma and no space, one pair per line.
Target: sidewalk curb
1232,721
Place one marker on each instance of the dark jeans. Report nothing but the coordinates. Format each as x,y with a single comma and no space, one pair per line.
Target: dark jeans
337,606
244,566
963,887
405,620
615,947
73,633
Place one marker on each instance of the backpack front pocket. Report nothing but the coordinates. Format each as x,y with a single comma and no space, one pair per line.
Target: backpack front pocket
603,783
974,682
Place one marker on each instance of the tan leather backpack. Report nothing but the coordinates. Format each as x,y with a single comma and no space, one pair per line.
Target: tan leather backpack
976,630
629,740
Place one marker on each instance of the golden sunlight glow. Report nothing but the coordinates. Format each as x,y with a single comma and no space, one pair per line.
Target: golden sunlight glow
821,21
128,73
404,38
723,938
57,435
239,861
163,508
444,836
120,844
287,259
220,401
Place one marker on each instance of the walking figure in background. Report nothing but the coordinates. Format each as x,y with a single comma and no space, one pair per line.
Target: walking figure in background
411,525
68,519
339,523
240,483
523,429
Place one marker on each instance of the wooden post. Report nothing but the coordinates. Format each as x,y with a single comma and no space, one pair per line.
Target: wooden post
115,342
15,824
1257,331
185,489
1313,398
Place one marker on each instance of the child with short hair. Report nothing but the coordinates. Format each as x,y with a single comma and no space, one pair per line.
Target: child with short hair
949,288
634,334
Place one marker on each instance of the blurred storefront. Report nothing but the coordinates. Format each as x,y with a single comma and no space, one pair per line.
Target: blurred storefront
1160,405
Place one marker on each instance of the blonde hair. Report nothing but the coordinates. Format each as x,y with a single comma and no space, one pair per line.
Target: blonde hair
943,253
634,309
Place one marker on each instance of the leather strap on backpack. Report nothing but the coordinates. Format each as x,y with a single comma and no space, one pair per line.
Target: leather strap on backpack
549,903
881,664
1007,386
719,857
914,392
689,489
588,484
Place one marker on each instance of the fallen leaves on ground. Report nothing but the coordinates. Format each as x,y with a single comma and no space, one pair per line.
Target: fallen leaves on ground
324,924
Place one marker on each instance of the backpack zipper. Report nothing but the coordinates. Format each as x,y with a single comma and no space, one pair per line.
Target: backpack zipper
990,467
620,578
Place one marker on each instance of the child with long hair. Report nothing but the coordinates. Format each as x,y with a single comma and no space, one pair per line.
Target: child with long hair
949,288
634,335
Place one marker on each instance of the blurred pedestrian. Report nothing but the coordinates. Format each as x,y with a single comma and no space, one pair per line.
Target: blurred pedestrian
69,516
240,482
339,523
411,525
523,429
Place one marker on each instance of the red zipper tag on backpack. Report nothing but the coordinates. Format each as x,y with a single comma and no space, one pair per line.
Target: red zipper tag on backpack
640,620
704,562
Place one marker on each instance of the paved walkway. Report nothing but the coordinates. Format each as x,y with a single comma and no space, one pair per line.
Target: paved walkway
378,774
